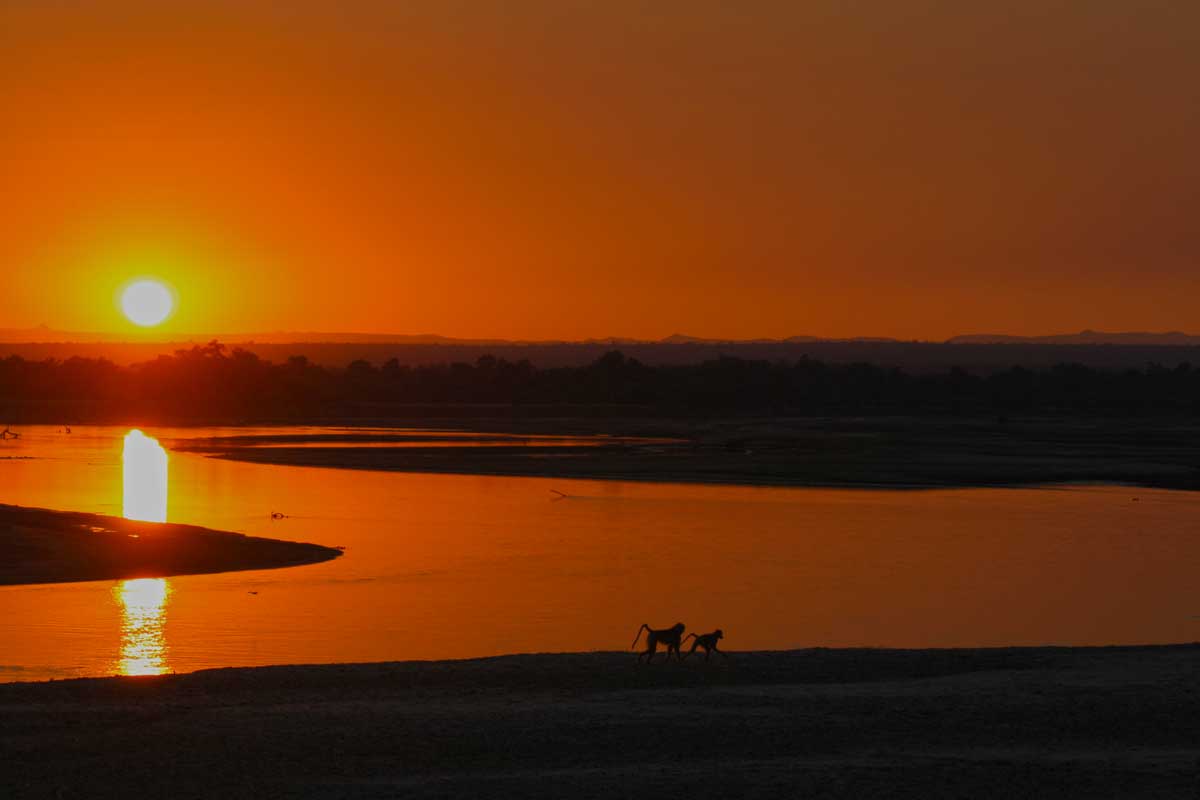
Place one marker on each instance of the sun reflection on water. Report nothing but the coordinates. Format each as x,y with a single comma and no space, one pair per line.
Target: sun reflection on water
143,601
144,464
143,604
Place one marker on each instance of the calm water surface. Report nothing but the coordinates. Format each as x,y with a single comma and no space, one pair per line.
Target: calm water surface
446,566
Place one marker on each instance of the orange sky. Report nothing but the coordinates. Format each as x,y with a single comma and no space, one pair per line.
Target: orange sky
565,169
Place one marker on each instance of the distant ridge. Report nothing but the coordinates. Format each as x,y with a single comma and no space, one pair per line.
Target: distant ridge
45,335
1083,337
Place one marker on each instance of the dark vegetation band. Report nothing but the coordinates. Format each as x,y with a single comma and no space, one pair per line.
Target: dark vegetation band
211,381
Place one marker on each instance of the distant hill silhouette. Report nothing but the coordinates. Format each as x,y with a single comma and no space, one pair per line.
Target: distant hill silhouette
1083,337
46,335
980,353
43,334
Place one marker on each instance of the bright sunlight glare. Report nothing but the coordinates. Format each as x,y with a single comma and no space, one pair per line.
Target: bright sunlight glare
147,302
144,477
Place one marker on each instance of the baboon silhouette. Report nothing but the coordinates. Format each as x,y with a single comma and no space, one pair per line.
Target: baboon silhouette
706,640
670,637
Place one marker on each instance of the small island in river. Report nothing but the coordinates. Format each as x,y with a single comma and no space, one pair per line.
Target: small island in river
902,452
42,546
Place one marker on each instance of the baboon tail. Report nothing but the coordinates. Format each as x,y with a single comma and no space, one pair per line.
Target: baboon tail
644,627
689,636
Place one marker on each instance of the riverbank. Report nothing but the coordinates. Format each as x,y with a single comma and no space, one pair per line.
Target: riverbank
42,546
1030,722
885,452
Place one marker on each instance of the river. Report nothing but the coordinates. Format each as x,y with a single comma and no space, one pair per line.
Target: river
452,566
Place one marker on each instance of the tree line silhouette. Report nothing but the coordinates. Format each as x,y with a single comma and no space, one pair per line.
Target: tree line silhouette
212,382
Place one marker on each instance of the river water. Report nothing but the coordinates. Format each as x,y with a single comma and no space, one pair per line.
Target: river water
449,566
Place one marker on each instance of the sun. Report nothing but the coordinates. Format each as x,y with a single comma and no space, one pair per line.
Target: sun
147,302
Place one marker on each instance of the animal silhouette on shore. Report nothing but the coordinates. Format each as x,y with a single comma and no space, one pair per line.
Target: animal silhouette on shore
706,640
670,638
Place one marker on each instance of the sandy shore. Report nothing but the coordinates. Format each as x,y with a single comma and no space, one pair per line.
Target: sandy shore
42,546
887,452
1107,722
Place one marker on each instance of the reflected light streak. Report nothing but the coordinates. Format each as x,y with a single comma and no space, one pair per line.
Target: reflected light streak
143,604
143,601
145,478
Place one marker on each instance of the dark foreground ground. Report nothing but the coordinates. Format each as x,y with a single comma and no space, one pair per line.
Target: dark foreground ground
897,452
1079,723
42,546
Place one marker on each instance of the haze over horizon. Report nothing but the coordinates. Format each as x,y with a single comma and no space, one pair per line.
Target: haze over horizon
43,334
563,170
